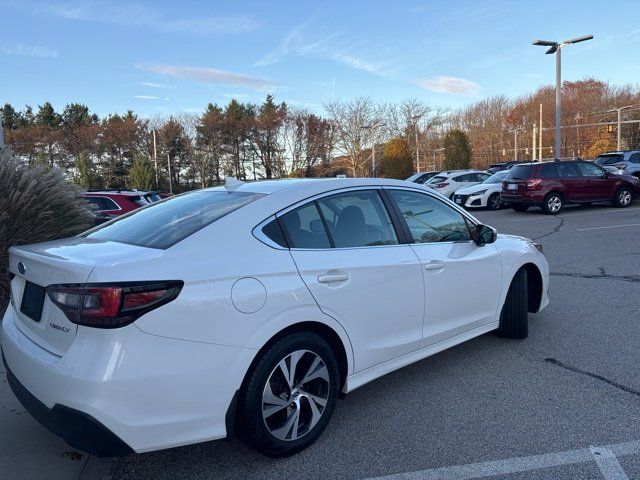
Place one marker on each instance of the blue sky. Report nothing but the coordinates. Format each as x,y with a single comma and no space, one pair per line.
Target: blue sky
162,57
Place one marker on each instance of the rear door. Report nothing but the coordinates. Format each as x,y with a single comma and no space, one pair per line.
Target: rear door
348,252
576,187
462,281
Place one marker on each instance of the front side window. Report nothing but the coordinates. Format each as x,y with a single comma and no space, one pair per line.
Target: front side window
163,224
430,220
357,219
590,170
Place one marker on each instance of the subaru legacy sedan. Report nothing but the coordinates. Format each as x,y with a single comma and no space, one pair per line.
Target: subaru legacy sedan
248,310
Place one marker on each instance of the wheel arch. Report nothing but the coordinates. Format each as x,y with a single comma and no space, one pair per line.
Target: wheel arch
534,287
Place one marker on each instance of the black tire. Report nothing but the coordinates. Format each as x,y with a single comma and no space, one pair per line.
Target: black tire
623,197
494,202
252,428
519,207
553,203
514,317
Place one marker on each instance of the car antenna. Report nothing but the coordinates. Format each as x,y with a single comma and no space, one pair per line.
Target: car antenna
232,183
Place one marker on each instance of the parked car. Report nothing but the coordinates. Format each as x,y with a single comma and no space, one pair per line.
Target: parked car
118,202
250,309
447,183
627,160
551,185
422,177
499,166
485,194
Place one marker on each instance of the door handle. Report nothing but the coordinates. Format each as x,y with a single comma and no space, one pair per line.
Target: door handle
434,266
333,277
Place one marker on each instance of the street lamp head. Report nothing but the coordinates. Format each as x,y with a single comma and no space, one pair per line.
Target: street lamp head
584,38
545,43
553,49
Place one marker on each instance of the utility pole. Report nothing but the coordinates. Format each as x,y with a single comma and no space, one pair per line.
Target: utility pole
515,142
619,110
540,136
155,155
415,119
534,137
1,136
577,118
169,167
372,128
556,47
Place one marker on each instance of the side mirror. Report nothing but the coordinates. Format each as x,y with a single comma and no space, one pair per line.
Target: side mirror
484,234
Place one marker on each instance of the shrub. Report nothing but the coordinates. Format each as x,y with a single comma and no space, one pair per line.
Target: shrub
397,161
457,150
36,204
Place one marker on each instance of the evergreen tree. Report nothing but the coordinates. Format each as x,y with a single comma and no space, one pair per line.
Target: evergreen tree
457,150
86,175
397,161
141,174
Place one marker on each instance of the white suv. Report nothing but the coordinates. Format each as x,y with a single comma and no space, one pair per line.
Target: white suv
628,161
447,183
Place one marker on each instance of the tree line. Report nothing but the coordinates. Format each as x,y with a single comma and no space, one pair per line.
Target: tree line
275,140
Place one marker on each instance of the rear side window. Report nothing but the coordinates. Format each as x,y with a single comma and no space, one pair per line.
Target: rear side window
303,228
103,203
437,179
549,171
568,170
163,224
357,219
520,172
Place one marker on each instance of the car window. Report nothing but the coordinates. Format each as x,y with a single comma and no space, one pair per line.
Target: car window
609,159
163,224
357,219
590,170
437,179
634,158
568,170
273,231
430,220
304,229
549,171
482,176
468,177
495,178
520,172
103,203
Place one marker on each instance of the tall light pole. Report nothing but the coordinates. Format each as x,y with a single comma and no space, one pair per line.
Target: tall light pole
556,47
372,127
415,119
515,142
1,136
619,110
434,156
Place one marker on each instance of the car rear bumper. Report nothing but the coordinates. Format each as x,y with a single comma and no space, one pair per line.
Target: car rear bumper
526,199
121,391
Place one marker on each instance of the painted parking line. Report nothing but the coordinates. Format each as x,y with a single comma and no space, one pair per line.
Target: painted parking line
609,226
607,463
599,212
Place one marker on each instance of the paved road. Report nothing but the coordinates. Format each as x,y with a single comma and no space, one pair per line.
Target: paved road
563,404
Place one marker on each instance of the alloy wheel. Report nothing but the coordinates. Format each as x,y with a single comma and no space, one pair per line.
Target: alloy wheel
494,202
295,395
624,198
554,204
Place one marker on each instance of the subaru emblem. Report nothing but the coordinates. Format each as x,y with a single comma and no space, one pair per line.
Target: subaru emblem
21,268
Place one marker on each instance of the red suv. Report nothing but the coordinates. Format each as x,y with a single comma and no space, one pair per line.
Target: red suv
551,185
114,203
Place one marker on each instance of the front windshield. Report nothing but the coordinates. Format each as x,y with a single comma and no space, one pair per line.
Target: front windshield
496,177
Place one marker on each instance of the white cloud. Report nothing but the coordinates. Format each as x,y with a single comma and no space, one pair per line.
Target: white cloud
451,85
208,75
150,97
28,51
154,85
138,15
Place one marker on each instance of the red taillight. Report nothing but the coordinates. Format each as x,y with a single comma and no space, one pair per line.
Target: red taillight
532,184
113,305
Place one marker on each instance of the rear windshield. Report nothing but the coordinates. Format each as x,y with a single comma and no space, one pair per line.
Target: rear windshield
437,179
163,224
609,159
520,172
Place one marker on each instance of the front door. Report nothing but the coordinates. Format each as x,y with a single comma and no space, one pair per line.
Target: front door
598,186
462,281
348,254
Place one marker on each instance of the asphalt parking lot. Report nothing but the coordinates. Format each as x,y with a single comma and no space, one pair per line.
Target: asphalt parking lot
563,404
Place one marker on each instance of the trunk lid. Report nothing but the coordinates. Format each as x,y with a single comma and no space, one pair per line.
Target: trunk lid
70,260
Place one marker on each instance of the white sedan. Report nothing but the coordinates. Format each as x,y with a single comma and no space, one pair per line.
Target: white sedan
485,194
447,183
247,310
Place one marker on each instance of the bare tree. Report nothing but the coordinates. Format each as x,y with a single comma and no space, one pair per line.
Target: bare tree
352,121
